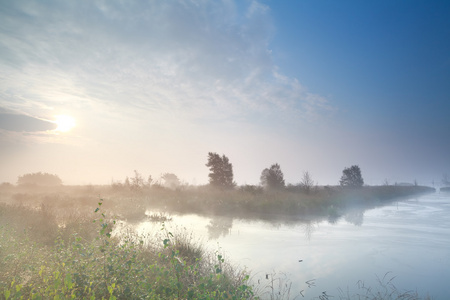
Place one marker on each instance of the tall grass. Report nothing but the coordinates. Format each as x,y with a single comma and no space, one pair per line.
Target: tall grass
101,266
385,290
50,248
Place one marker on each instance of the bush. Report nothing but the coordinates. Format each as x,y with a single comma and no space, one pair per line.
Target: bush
43,179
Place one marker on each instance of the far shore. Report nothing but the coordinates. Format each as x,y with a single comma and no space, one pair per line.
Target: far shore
290,203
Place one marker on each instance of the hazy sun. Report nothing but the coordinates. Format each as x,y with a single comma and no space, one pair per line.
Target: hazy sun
64,123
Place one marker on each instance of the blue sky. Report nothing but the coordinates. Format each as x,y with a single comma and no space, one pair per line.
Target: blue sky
154,86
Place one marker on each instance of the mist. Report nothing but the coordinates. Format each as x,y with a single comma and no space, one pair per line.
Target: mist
287,133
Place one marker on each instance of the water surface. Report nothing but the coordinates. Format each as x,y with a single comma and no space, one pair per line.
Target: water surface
408,240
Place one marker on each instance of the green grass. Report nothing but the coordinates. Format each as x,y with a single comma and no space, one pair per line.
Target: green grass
51,248
101,266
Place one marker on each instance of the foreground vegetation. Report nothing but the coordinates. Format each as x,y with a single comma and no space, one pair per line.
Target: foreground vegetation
53,245
43,259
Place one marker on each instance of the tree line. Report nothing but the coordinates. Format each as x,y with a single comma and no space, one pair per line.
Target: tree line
221,175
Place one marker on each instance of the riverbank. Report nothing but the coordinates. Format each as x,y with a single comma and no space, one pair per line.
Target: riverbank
43,256
51,248
242,202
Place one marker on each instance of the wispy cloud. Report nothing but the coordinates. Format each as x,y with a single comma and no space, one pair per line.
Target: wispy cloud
195,59
24,123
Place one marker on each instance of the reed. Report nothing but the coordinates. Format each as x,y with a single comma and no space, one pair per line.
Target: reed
51,248
104,266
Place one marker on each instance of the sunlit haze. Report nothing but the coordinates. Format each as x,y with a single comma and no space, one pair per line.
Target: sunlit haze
64,123
92,90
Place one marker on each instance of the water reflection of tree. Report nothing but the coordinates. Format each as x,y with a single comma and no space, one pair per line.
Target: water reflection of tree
309,229
355,216
219,226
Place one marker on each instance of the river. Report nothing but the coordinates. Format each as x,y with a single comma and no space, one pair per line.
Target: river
407,241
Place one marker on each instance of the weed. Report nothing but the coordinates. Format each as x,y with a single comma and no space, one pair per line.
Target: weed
159,217
109,267
386,290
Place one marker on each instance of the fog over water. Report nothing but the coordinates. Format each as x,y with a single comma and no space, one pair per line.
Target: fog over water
408,240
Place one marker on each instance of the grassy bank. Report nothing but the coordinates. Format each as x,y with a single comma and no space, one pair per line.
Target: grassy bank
57,243
42,258
254,202
242,202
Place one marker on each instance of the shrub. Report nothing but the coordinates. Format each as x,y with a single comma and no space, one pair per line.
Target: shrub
43,179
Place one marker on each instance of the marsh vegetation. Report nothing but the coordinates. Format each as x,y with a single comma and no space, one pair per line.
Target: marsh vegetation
58,242
47,256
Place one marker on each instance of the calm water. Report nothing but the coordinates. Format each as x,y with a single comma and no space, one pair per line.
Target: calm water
410,239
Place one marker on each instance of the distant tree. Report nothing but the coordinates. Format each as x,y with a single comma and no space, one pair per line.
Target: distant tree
137,182
170,180
127,183
221,171
149,180
351,177
307,183
44,179
272,178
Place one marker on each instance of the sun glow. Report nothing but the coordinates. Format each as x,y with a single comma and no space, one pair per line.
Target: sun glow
64,123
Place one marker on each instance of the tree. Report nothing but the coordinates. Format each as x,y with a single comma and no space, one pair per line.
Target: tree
127,183
149,181
137,182
351,177
272,178
170,180
39,178
221,171
307,183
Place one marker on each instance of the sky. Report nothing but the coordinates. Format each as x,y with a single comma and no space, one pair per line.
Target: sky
93,90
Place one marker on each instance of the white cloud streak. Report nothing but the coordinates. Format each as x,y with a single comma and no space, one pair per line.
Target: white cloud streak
149,83
203,60
159,84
